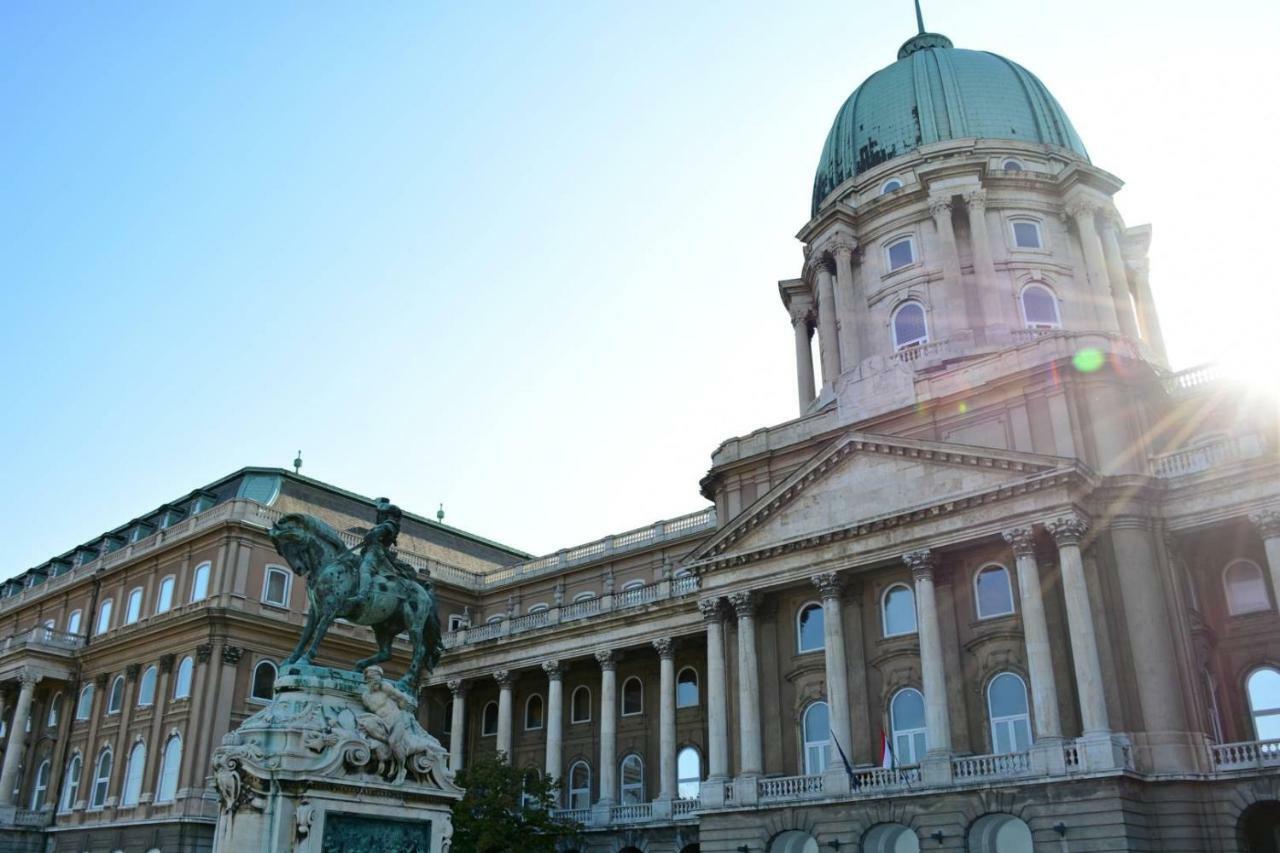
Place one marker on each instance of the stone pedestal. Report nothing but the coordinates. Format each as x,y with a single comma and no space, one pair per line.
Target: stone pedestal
337,761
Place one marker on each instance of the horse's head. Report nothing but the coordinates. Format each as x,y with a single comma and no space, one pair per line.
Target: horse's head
306,542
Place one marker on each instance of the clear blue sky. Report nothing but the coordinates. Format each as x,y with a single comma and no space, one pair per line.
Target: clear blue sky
521,259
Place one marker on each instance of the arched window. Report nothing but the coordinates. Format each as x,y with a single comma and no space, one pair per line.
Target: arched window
85,706
164,598
630,585
993,592
1012,166
1264,703
1040,308
147,687
583,596
906,717
115,699
899,610
688,773
72,785
687,688
200,582
1246,588
1007,708
73,622
901,253
909,327
489,720
542,607
101,779
170,764
632,697
264,681
580,705
104,617
580,785
133,775
999,833
816,725
41,786
809,628
631,781
533,713
494,620
890,186
182,684
133,608
55,707
1026,234
275,586
48,629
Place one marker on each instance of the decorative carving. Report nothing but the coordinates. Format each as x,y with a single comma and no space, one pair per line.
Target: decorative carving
606,660
1022,540
712,609
976,200
829,584
166,662
665,647
940,206
553,668
744,603
1267,521
399,739
100,680
921,564
131,671
305,816
842,245
30,677
232,654
504,679
801,314
1068,529
203,652
1081,208
457,687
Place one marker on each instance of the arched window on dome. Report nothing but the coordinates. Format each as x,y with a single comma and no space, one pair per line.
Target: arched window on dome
909,326
900,253
1040,307
891,185
1012,166
1026,234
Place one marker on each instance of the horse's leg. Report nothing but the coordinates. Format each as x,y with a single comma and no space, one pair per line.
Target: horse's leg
384,634
321,627
307,631
415,618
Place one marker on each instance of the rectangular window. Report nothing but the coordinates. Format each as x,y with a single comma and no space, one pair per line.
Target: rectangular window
1026,235
901,254
275,588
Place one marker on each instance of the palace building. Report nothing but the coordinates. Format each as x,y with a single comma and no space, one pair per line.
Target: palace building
1006,582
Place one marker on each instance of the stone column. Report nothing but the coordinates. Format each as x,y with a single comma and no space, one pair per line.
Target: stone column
1148,317
1082,212
804,358
1067,531
1116,273
953,316
457,725
1035,630
503,677
666,719
17,736
1268,523
555,717
830,587
750,747
937,719
717,692
850,345
608,728
984,267
828,342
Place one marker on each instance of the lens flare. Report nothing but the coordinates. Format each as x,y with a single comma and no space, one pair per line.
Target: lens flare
1088,360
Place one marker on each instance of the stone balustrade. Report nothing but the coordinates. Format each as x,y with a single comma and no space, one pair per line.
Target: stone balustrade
1246,755
1193,378
1006,766
1202,457
791,787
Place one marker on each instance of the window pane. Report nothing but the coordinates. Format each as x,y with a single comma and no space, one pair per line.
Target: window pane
1246,589
135,607
1008,696
1040,306
581,705
899,611
104,616
147,687
490,719
264,680
1026,235
1264,690
275,587
900,254
689,772
165,600
182,685
687,689
632,697
168,787
1268,726
908,710
533,713
811,628
200,583
908,325
995,598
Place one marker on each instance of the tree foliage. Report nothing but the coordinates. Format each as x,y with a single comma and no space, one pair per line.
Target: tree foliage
506,809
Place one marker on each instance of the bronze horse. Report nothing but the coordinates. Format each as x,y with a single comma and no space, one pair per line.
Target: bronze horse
397,603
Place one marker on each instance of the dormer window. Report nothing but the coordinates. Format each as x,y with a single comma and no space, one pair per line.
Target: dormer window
1026,234
901,253
909,327
891,185
200,504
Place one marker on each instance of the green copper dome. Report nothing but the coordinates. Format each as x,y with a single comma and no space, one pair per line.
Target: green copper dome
936,92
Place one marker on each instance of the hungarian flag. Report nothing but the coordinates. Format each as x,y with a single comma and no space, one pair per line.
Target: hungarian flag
886,751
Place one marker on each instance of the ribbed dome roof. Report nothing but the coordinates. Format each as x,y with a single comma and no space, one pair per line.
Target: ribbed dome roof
936,92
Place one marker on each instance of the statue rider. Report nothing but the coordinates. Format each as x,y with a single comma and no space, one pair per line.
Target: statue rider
378,542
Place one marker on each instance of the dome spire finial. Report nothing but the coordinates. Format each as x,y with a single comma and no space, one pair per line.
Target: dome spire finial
919,18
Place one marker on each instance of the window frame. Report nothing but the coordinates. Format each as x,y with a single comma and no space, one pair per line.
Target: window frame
889,243
801,649
115,695
810,762
911,734
884,612
1014,245
88,690
583,791
1262,579
484,719
635,789
103,623
133,606
150,673
165,777
73,621
177,678
71,785
253,682
623,694
39,788
1004,165
1255,712
267,572
1008,582
101,778
540,607
542,713
134,771
574,719
1009,720
169,584
456,621
899,346
696,780
583,596
885,189
200,577
697,688
1053,297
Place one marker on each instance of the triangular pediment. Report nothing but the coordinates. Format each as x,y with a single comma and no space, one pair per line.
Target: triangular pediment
862,478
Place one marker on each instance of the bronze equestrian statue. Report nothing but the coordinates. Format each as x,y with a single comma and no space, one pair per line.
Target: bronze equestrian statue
366,585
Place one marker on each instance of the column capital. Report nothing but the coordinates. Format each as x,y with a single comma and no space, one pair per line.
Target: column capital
232,654
554,669
829,584
1022,540
131,671
1267,521
1138,267
921,563
1067,529
744,602
607,660
665,648
801,314
816,262
976,199
504,679
457,687
842,245
29,677
167,661
939,205
1080,207
100,681
712,609
203,652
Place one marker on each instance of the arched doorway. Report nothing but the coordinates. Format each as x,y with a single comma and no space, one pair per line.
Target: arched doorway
1260,828
890,838
793,841
999,833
